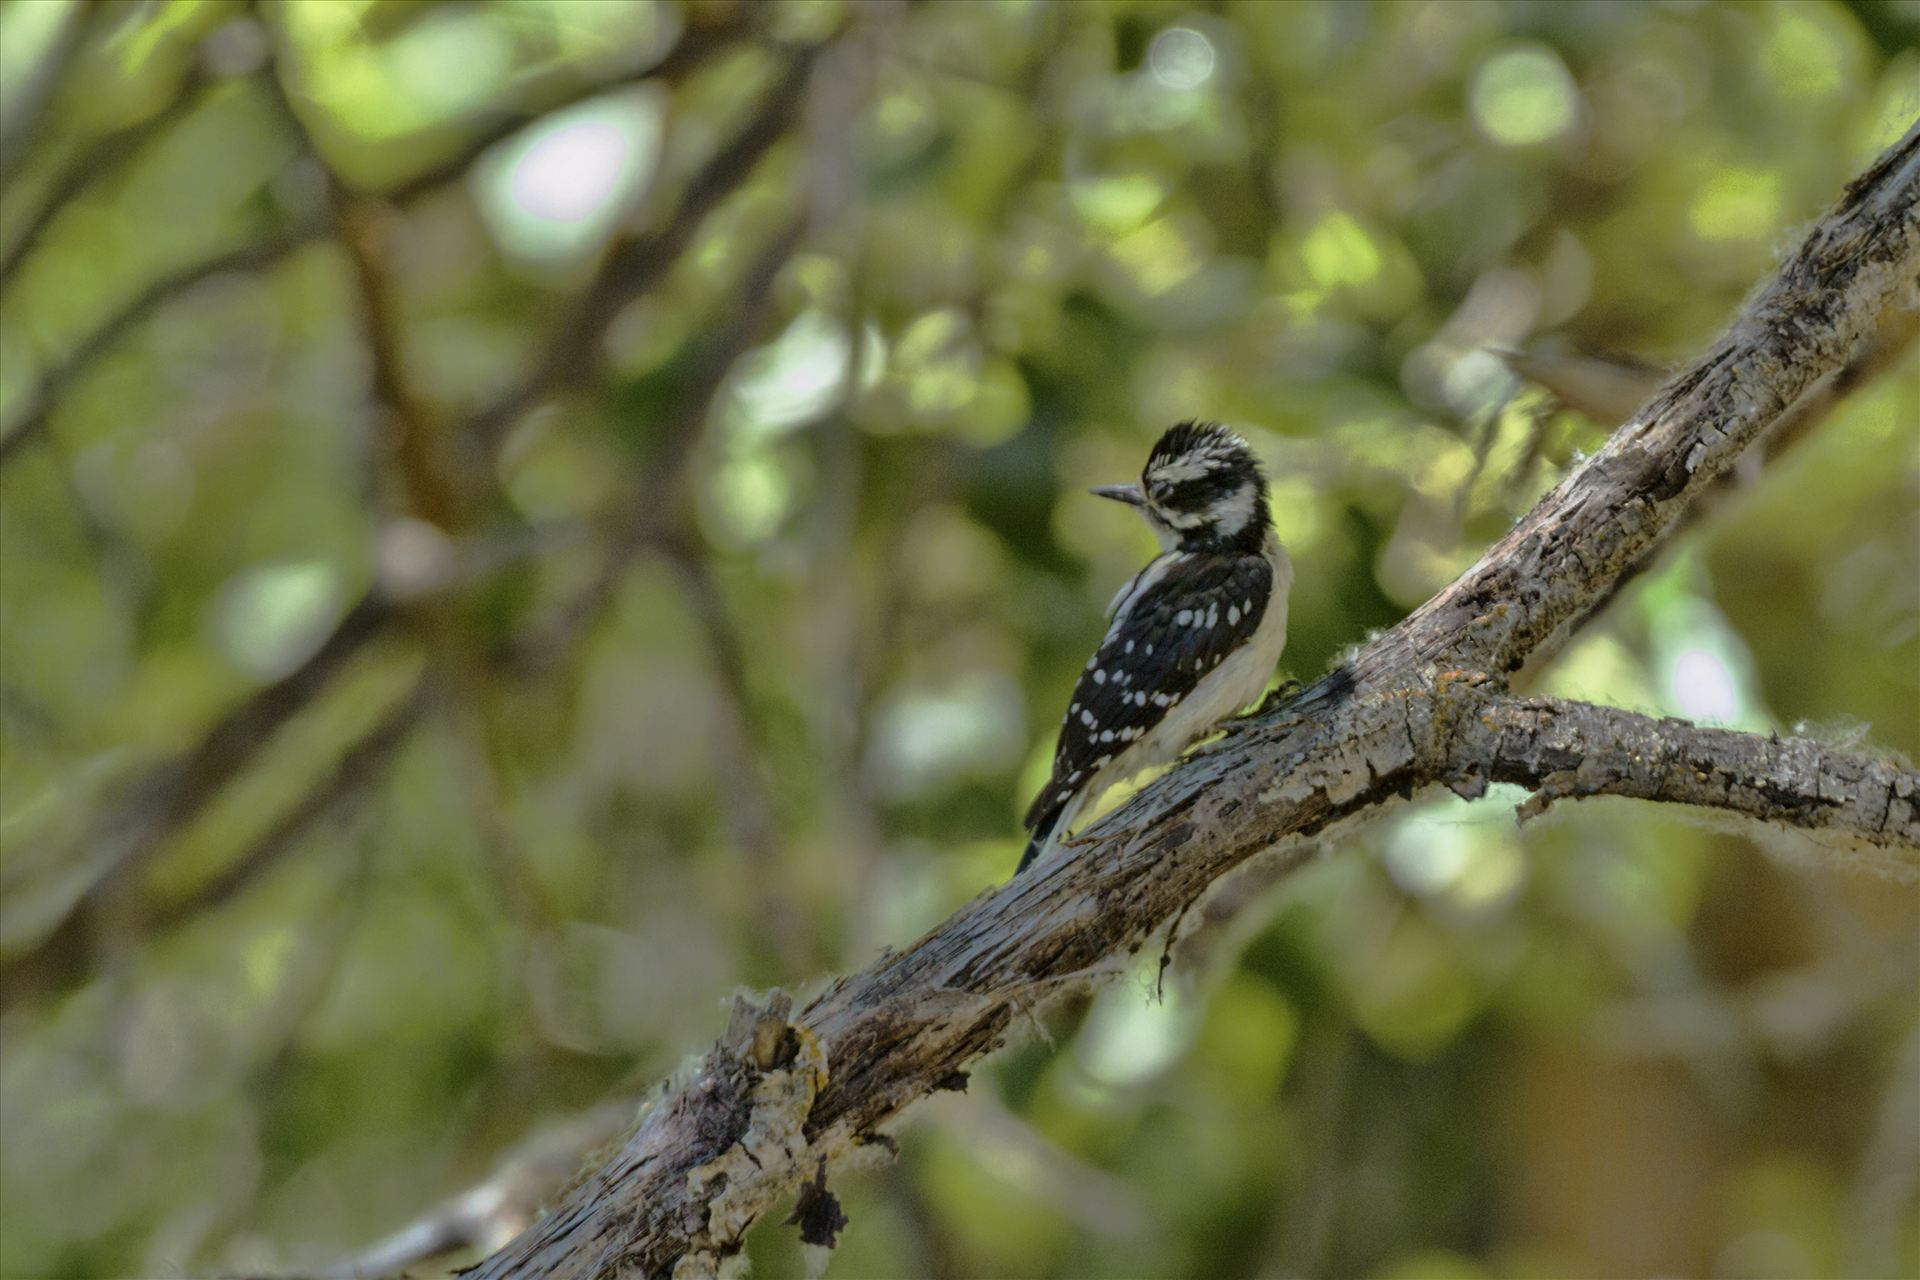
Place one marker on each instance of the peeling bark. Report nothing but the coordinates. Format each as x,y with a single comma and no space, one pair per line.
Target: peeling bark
1848,800
1420,707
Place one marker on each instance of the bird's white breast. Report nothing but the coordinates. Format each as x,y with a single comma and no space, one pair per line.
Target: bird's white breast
1237,681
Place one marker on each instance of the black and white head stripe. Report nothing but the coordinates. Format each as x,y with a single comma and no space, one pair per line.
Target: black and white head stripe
1198,458
1204,484
1191,450
1168,636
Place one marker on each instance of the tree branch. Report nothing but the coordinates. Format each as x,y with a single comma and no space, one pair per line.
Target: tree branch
693,49
1860,807
101,157
647,517
359,766
1562,560
491,1212
781,1095
635,263
166,796
30,422
20,130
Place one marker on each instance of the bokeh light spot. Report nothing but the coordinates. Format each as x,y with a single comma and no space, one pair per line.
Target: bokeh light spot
1736,204
1130,1038
570,173
557,193
1117,202
751,496
1702,687
269,619
792,379
1804,56
1338,251
1181,58
1523,96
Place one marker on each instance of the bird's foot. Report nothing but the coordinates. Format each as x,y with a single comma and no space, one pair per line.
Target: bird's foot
1281,694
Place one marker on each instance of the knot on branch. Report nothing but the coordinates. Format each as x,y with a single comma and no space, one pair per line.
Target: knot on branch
776,1067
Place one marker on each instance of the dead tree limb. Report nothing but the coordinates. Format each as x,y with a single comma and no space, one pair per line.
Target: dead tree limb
1422,706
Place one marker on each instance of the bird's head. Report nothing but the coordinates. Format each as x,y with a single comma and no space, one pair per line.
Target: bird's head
1202,490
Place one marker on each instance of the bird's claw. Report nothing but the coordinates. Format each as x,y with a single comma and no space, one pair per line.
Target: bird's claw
1278,696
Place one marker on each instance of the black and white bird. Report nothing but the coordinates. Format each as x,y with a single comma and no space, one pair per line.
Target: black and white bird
1193,637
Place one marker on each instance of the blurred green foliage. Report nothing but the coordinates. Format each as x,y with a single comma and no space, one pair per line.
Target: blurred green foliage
617,747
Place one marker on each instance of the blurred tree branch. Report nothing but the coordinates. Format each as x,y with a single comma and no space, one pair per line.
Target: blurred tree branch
695,47
161,801
30,422
358,768
637,262
21,129
103,156
646,519
491,1212
1423,705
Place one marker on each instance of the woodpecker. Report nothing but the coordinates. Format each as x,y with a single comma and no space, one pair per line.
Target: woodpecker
1193,637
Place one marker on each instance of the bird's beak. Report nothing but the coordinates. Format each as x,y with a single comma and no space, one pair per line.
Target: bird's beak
1127,493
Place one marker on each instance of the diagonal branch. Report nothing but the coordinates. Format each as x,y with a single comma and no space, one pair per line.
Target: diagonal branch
1563,559
20,129
162,800
30,421
636,263
783,1094
695,48
493,1211
648,518
358,768
101,157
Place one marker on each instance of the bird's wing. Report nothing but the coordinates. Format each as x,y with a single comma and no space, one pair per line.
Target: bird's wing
1177,628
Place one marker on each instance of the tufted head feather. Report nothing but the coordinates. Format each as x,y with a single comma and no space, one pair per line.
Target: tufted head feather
1203,489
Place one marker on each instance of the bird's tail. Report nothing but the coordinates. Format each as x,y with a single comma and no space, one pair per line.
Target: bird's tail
1047,831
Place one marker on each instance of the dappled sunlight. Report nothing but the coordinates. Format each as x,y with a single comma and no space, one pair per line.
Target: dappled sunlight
520,519
556,193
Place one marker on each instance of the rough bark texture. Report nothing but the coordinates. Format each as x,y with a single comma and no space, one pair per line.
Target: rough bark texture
1424,705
